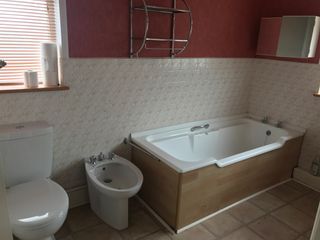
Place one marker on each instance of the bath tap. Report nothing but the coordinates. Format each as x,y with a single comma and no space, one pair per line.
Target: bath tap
265,119
205,126
279,124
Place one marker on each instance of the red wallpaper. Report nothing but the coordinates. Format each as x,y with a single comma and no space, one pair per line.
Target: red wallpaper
228,28
269,36
222,28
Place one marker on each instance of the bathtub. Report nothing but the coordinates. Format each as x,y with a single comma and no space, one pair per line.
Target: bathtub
192,175
227,141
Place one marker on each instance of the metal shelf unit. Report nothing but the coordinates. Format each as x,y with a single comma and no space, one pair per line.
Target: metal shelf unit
147,9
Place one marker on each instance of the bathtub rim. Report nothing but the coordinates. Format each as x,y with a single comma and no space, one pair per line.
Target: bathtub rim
140,139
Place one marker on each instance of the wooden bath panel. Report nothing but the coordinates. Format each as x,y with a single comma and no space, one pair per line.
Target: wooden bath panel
183,198
160,186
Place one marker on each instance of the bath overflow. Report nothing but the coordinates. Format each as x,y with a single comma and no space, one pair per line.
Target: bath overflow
268,133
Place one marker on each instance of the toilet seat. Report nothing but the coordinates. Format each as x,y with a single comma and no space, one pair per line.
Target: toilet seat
37,208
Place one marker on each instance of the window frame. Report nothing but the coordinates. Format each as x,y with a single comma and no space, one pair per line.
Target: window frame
63,53
62,29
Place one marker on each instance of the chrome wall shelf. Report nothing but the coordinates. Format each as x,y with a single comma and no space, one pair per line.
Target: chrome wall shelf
142,42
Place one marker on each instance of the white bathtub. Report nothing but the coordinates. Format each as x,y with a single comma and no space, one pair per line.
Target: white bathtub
227,141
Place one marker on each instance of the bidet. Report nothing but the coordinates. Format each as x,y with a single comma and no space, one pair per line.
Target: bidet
111,182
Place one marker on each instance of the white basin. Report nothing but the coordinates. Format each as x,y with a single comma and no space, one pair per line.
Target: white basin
111,183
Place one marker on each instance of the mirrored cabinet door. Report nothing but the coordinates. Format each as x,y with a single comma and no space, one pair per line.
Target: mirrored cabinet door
289,36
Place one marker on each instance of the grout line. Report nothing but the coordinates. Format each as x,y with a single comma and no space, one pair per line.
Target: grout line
269,213
147,235
231,206
289,203
302,183
248,226
242,224
224,235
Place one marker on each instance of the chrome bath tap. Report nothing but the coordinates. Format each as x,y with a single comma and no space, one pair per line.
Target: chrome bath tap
205,126
265,119
279,124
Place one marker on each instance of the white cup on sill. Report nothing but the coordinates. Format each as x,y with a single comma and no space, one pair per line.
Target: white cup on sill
31,79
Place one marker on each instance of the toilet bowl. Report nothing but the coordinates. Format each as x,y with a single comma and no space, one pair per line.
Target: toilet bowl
37,209
111,182
37,206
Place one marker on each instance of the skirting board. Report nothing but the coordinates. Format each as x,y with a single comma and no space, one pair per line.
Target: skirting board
78,196
209,216
306,178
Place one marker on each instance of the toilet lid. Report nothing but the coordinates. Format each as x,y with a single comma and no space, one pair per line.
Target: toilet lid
36,203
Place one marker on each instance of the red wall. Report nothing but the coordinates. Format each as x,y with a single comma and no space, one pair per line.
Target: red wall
269,35
222,28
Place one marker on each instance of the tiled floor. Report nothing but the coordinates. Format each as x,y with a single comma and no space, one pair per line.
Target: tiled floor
283,213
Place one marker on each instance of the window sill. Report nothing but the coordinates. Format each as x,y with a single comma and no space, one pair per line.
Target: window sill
23,89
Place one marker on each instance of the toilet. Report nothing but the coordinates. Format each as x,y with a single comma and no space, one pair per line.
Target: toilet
37,205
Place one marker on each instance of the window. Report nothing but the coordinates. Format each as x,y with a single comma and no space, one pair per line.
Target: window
24,24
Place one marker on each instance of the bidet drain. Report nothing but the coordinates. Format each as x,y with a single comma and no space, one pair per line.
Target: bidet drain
107,180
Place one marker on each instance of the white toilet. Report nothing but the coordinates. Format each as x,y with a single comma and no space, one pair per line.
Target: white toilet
111,182
37,205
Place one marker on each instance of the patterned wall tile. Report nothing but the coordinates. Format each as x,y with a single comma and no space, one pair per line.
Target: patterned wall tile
109,98
283,91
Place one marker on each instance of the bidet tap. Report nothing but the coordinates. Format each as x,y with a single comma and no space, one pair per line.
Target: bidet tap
111,155
101,157
93,160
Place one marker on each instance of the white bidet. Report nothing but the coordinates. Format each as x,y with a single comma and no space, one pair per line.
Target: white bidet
111,182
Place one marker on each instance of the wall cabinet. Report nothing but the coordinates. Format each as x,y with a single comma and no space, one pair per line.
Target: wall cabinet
289,36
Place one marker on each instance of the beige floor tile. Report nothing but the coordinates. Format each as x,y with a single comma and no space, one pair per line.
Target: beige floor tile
82,217
267,202
303,238
308,204
285,193
272,229
222,224
301,188
66,238
140,225
308,234
198,232
63,232
294,218
100,232
242,234
160,235
134,205
246,212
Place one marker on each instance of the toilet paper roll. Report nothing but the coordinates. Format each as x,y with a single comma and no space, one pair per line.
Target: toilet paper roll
49,64
31,79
